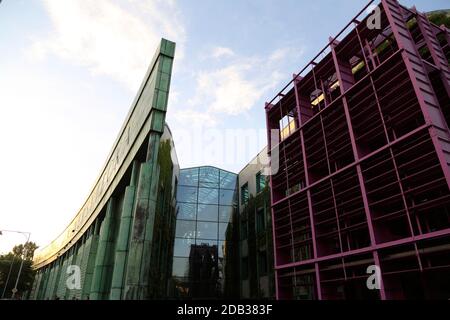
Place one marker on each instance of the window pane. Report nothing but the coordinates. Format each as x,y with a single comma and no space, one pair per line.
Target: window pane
207,212
224,229
186,211
227,197
208,195
225,213
187,194
211,245
209,177
206,230
180,267
185,229
260,182
244,194
182,247
189,177
227,180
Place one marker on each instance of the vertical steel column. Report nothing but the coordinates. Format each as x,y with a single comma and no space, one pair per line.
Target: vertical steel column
269,153
426,97
123,237
103,261
346,81
139,256
91,257
308,192
436,51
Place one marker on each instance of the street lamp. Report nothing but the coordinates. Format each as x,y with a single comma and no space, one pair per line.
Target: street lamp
27,235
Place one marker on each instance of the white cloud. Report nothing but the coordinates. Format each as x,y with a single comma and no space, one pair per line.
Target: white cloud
279,54
235,88
111,38
192,117
219,52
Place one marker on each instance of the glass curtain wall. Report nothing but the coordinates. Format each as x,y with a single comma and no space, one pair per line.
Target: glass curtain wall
204,237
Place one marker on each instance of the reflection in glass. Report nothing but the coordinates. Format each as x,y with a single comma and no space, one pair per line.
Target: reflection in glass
227,197
186,194
225,213
209,177
206,230
208,195
203,254
185,229
228,180
182,247
181,286
223,229
189,177
207,212
204,269
180,267
204,243
186,211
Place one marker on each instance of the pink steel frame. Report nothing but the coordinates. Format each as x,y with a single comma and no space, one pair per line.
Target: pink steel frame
434,123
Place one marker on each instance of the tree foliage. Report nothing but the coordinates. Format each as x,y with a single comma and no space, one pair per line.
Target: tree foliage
10,266
26,251
440,18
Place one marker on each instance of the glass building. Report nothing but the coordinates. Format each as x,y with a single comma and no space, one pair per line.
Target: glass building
205,237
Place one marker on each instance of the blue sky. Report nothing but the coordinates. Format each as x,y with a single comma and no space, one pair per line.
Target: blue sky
70,69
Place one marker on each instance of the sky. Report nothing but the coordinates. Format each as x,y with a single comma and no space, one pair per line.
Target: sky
70,69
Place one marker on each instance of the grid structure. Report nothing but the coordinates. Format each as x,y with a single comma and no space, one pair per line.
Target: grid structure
204,236
364,157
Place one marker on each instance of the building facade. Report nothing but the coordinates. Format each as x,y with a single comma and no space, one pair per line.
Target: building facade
255,231
119,245
205,261
364,157
361,140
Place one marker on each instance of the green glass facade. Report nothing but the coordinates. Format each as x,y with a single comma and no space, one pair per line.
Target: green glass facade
119,245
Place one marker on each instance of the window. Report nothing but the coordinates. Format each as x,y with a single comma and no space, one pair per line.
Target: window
185,229
260,182
189,177
225,213
227,197
244,270
262,263
209,177
244,194
260,220
207,212
244,230
187,194
186,211
208,195
207,230
227,180
182,247
180,267
287,125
